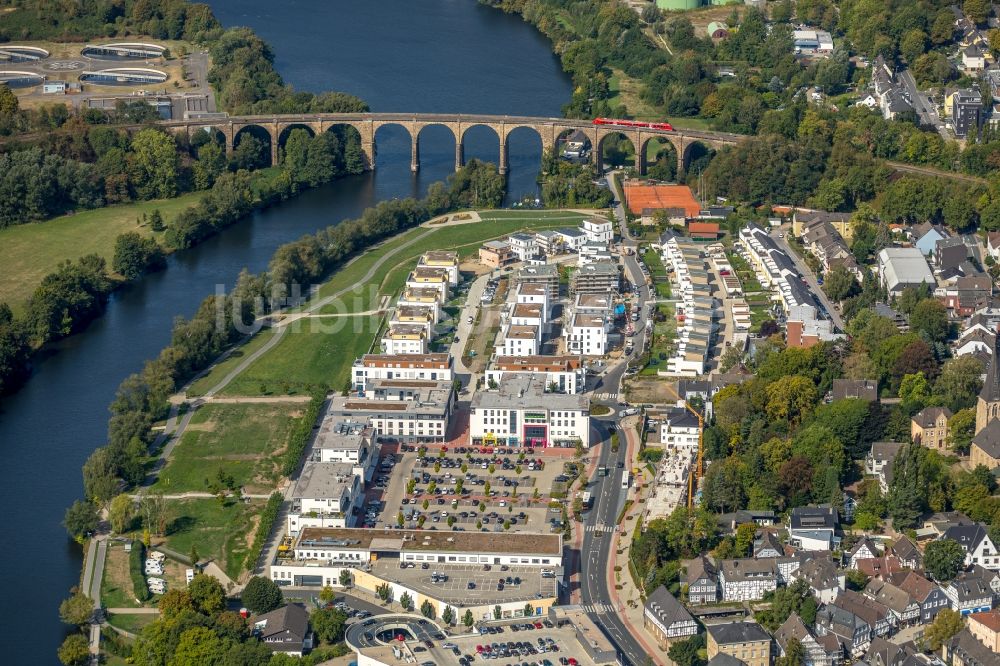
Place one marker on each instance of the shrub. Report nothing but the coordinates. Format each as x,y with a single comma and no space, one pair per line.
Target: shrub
267,518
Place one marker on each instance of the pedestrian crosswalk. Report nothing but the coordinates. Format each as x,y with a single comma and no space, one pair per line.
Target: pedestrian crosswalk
605,396
601,527
598,608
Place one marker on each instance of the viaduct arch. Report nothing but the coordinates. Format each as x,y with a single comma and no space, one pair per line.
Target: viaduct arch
367,124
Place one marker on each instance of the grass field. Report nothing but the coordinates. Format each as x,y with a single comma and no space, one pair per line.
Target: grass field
116,585
219,532
657,272
29,252
240,440
222,369
308,358
130,623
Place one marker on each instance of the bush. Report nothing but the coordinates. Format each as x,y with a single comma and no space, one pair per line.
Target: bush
136,562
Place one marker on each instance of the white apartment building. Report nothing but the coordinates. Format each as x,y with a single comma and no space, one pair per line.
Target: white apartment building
527,314
563,374
442,259
517,340
431,367
405,339
519,412
571,238
326,494
350,442
679,429
534,294
423,277
587,334
405,410
425,298
590,253
523,245
415,316
598,230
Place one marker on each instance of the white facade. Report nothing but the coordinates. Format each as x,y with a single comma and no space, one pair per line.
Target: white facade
520,413
566,374
598,230
519,341
523,246
427,367
405,339
587,335
534,294
679,430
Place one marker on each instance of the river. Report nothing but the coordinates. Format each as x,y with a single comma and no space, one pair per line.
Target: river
433,56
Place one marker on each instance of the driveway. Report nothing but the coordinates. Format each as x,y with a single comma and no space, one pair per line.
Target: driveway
808,275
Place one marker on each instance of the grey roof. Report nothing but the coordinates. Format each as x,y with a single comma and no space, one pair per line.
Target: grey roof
968,536
905,549
737,632
865,541
927,417
699,567
972,652
291,618
813,518
662,605
991,387
723,659
324,480
904,266
520,390
821,573
793,627
886,450
864,389
749,569
970,588
888,594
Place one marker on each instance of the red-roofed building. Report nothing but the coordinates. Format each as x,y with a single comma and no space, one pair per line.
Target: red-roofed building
986,627
703,230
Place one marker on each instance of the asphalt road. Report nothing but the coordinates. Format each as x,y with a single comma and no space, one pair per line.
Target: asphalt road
810,278
595,551
926,110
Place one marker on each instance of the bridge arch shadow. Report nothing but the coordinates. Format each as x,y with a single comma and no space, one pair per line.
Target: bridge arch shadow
615,149
659,159
524,160
252,148
435,146
287,133
696,157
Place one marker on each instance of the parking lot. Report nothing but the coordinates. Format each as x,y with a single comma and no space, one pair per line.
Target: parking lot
465,585
489,489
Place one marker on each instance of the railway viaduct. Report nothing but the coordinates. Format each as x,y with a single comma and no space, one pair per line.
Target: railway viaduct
549,130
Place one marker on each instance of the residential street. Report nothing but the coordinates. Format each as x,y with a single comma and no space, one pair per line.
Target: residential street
777,235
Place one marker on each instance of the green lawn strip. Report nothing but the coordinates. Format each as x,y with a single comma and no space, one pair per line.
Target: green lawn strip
220,533
240,440
664,336
314,353
114,595
235,358
350,275
131,622
29,252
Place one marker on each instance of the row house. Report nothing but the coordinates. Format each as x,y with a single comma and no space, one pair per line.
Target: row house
904,608
702,580
518,341
446,260
865,549
929,597
816,653
969,593
666,618
774,268
424,277
528,293
747,579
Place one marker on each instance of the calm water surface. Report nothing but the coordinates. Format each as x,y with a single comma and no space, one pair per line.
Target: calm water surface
427,56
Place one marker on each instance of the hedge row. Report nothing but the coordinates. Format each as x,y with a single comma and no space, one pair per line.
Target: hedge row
267,518
300,436
136,567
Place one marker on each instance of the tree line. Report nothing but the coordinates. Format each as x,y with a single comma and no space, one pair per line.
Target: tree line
141,399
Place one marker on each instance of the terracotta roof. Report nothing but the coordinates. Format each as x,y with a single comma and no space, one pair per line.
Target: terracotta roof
991,619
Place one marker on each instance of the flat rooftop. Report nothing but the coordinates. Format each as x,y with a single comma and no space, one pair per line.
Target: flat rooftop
539,363
337,432
406,360
520,390
456,590
588,320
529,289
593,301
431,540
533,310
523,332
323,480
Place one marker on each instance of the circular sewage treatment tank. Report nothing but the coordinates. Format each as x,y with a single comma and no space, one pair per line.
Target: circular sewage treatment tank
122,51
20,79
124,76
22,54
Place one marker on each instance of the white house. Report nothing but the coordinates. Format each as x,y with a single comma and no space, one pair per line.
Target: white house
747,579
813,528
325,495
534,294
598,230
518,341
431,367
975,541
405,339
523,245
587,334
679,429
